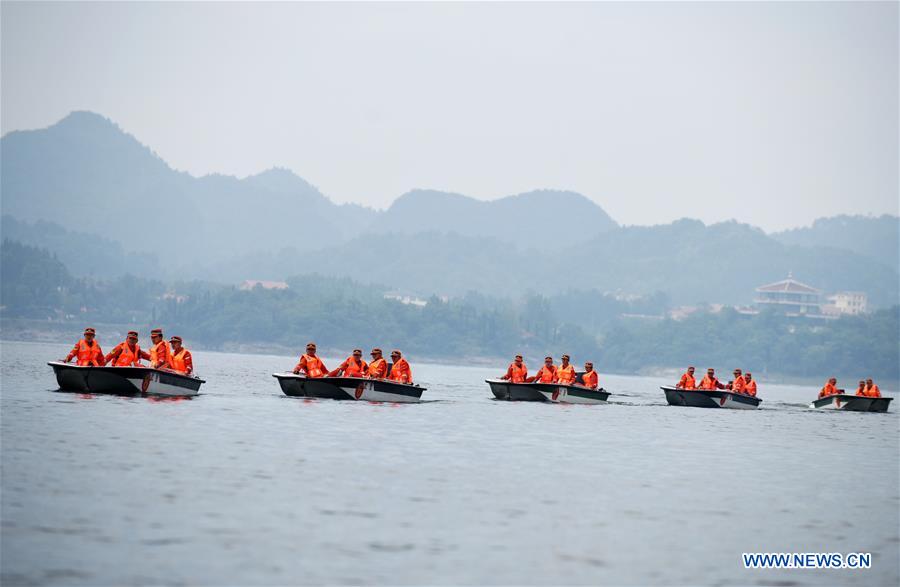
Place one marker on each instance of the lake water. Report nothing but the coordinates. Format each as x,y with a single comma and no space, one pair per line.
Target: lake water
243,485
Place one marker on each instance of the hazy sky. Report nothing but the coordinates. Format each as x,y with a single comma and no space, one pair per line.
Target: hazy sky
773,114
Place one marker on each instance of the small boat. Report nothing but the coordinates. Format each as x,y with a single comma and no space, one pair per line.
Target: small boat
348,388
852,403
124,380
702,398
546,392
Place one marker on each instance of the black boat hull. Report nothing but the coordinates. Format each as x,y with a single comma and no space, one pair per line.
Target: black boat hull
124,380
348,388
546,392
699,398
852,403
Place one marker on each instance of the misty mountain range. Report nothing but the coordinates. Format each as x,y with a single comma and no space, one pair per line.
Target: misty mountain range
108,205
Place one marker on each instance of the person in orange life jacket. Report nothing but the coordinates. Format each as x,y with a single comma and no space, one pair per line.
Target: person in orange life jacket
378,367
830,388
310,364
400,371
159,352
872,389
180,359
589,379
128,353
545,374
737,384
687,380
517,371
354,366
749,385
565,373
861,390
87,350
710,382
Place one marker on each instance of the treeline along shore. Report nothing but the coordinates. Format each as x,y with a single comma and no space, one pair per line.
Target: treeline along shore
41,300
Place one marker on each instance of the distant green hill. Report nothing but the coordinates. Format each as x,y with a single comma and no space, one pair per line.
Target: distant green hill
875,237
539,219
84,254
86,174
107,205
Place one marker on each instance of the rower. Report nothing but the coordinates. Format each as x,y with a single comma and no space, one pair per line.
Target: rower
872,389
87,350
687,380
749,384
353,366
589,378
310,364
565,373
378,366
160,351
710,383
861,390
128,353
180,359
737,384
517,371
829,389
400,371
546,374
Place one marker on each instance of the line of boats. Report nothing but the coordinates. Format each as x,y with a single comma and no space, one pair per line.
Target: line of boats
145,381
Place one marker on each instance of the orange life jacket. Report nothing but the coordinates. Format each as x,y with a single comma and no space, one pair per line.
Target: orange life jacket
687,382
737,386
181,360
517,374
545,374
873,391
750,387
353,367
590,379
710,383
313,366
126,357
401,372
88,354
565,375
377,369
829,389
159,354
860,391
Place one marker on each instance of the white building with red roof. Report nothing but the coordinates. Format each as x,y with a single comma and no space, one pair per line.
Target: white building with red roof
790,296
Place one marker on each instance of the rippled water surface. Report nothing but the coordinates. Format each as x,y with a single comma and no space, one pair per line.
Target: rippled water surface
243,485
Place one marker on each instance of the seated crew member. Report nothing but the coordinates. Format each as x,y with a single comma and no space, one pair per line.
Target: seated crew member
737,384
861,390
687,380
517,371
180,359
872,389
565,373
87,351
310,364
400,371
353,366
128,353
749,384
378,367
159,352
829,389
710,382
545,374
589,379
